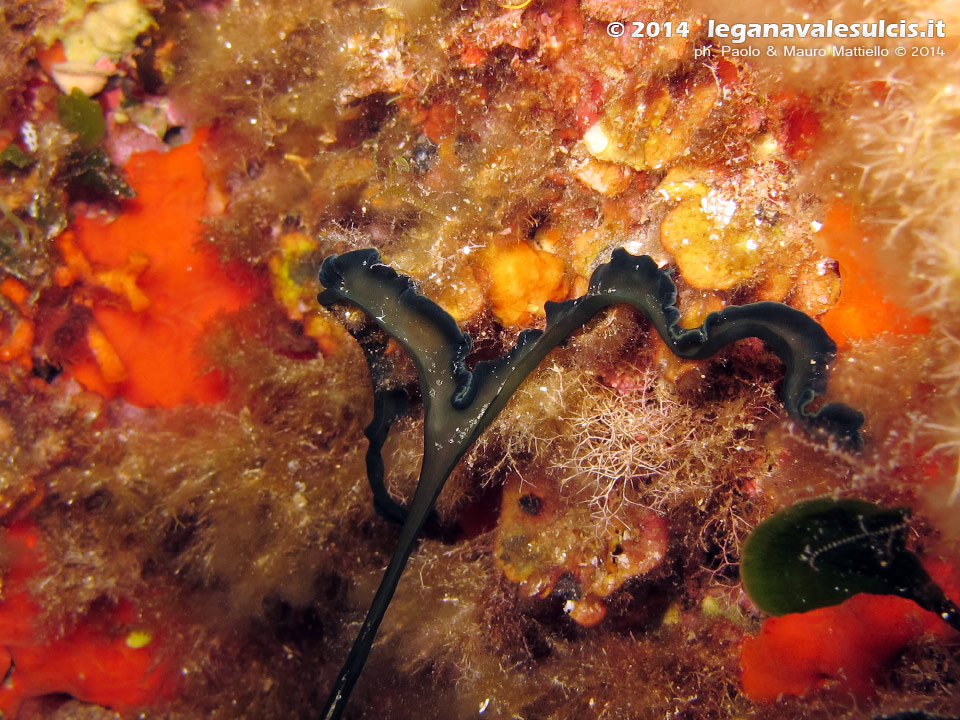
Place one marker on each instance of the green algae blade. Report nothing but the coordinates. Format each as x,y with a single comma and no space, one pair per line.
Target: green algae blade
82,116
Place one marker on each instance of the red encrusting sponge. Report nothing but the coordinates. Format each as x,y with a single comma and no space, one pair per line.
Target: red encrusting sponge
164,286
845,645
109,657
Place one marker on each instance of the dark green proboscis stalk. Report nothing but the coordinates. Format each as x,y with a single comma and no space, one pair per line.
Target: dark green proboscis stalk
460,404
820,552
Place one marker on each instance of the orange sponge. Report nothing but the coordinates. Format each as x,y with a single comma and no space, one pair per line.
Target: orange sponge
108,659
844,645
166,287
863,310
522,279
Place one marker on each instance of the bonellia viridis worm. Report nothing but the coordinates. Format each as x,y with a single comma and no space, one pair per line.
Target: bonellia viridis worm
459,404
821,552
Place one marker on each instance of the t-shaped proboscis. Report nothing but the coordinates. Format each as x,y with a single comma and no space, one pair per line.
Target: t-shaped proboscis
460,404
